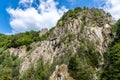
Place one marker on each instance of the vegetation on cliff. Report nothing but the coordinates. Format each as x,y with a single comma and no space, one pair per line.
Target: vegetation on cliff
80,40
112,69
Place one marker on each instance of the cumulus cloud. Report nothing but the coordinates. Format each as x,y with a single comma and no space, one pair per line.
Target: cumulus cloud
112,6
45,15
26,3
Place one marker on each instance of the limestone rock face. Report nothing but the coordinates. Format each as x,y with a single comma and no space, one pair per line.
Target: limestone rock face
43,31
21,52
66,37
61,73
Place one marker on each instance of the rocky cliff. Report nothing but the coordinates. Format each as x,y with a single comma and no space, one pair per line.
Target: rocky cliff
85,33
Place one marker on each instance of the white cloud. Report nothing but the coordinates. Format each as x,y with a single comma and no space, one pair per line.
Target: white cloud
26,3
45,16
113,6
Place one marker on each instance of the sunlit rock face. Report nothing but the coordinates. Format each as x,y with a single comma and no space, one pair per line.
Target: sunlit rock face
90,28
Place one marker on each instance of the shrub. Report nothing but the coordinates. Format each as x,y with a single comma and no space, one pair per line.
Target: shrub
9,67
96,15
28,47
92,54
112,69
78,70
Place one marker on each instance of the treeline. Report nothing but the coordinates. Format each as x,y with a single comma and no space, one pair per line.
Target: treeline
9,66
112,67
21,39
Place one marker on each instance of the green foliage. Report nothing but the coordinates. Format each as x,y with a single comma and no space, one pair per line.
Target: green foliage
81,66
73,66
118,29
92,54
28,47
87,51
113,28
20,39
96,15
84,20
81,50
78,9
116,32
5,73
29,74
42,70
11,63
79,70
72,14
111,70
85,8
97,42
67,38
7,60
9,66
69,15
39,72
70,37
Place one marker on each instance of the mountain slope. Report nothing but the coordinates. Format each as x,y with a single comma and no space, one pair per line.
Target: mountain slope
75,47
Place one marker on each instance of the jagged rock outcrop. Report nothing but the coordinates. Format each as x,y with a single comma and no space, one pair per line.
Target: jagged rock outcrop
21,52
90,25
61,73
43,31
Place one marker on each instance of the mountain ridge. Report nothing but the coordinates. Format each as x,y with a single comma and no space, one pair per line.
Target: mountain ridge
77,43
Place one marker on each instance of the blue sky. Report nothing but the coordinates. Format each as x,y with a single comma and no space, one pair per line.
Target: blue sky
23,15
4,16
